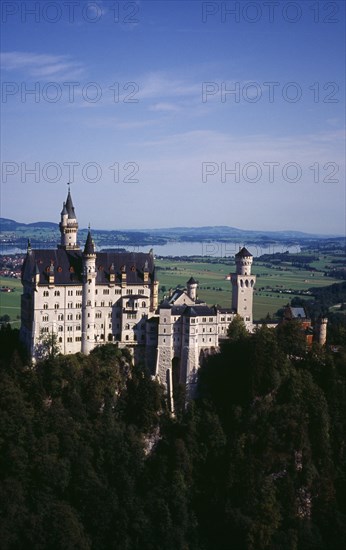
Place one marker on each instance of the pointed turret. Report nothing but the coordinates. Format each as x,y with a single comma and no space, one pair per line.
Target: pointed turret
69,207
192,288
243,285
68,225
88,295
89,249
243,261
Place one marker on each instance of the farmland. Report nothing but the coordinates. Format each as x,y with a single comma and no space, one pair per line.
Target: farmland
275,285
278,280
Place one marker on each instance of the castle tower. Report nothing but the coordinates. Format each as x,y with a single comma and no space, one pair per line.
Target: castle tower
68,225
321,334
192,288
243,285
88,298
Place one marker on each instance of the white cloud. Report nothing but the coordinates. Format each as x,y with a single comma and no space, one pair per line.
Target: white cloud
41,65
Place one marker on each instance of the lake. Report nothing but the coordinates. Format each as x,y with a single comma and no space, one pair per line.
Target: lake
216,249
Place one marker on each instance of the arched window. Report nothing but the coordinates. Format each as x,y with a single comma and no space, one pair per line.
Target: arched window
143,304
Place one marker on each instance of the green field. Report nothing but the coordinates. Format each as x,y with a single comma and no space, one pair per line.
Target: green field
10,301
213,286
215,289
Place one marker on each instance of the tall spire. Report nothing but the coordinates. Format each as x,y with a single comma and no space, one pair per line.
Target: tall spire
69,205
89,248
68,225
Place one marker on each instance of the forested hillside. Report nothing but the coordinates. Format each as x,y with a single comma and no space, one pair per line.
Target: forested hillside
90,458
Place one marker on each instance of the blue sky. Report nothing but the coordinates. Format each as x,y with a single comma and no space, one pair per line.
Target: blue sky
133,102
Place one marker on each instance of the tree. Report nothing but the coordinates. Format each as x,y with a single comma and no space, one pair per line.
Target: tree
237,329
48,346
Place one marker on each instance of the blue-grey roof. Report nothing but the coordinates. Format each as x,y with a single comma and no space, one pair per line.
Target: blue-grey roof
89,245
298,313
243,253
69,207
68,266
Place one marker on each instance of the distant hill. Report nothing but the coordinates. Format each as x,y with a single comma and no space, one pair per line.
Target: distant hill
11,225
162,235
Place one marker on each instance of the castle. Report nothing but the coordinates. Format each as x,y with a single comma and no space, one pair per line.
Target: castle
87,298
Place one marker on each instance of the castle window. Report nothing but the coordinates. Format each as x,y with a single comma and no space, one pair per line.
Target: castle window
60,317
60,340
110,304
79,292
110,325
57,293
45,306
102,304
69,293
211,319
129,291
56,306
117,291
69,329
45,293
89,303
70,305
106,291
70,317
78,339
96,291
126,337
144,304
70,339
204,319
140,291
110,337
78,316
45,318
60,328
